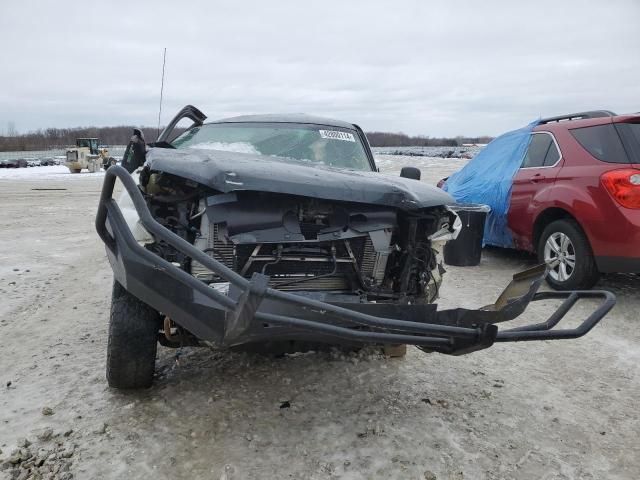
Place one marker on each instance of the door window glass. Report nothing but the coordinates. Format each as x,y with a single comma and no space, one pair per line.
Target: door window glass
537,151
553,155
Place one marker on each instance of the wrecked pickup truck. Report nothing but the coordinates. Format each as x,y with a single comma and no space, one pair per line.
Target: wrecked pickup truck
272,230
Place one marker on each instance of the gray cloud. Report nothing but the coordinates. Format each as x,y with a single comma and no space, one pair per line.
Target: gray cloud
435,68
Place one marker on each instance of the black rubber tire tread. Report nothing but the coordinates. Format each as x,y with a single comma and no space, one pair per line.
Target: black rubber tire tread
132,345
586,272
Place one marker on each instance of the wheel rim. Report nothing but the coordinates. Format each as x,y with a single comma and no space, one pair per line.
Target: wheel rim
560,255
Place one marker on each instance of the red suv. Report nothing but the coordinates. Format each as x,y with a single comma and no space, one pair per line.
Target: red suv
575,200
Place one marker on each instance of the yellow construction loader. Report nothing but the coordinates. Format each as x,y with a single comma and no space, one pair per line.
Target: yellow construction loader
86,154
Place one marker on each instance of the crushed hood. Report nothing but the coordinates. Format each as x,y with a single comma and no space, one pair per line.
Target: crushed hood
231,171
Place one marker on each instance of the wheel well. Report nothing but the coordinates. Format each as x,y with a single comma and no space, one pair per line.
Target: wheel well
545,218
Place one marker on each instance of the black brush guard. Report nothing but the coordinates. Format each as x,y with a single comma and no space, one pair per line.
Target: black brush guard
254,312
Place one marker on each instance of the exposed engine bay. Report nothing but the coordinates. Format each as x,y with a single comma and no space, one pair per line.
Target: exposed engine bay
380,253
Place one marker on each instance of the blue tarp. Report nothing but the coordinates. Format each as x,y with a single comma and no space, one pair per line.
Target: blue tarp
488,178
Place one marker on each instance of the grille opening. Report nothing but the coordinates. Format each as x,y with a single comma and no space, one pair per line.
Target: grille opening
310,262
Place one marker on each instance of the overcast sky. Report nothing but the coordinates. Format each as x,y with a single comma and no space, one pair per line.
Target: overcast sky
420,67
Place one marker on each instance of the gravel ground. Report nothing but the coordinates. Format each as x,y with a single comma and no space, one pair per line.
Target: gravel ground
552,410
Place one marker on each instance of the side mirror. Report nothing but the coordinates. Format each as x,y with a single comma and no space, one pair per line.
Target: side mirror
136,152
411,172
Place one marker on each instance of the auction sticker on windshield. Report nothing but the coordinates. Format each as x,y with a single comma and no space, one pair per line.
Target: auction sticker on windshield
336,135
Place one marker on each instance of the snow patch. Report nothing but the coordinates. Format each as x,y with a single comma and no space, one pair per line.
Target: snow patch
237,147
58,172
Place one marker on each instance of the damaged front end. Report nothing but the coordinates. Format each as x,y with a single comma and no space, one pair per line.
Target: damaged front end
305,244
232,266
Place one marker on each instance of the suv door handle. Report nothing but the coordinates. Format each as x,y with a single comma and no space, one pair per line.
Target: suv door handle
537,178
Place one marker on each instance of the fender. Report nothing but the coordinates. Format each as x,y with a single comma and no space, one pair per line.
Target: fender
578,203
522,226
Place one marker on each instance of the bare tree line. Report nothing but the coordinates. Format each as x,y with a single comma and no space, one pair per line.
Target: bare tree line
384,139
54,138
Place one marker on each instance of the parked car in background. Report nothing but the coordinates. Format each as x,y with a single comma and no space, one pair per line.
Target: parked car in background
15,163
575,200
33,162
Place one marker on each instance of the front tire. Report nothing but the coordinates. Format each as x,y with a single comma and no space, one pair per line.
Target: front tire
564,247
132,346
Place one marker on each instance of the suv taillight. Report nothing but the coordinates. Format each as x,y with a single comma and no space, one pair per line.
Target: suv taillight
624,186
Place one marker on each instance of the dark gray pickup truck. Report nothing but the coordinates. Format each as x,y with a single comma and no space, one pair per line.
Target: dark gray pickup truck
279,230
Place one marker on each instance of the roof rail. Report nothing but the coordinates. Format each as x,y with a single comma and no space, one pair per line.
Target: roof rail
579,116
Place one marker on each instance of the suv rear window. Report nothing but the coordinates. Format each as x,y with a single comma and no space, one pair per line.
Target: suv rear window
630,134
601,141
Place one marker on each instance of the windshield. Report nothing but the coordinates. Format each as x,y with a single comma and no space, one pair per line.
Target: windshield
333,146
90,143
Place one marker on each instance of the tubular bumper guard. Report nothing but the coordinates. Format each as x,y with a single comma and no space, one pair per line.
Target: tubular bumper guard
257,312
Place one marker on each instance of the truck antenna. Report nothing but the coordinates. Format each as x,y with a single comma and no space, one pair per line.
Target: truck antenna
164,59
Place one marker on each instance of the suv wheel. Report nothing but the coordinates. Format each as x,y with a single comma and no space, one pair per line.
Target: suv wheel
133,334
565,249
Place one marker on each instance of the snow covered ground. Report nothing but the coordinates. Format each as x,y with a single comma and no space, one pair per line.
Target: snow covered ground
53,172
390,164
552,410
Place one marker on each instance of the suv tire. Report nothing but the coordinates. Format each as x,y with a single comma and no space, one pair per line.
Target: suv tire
132,346
564,246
